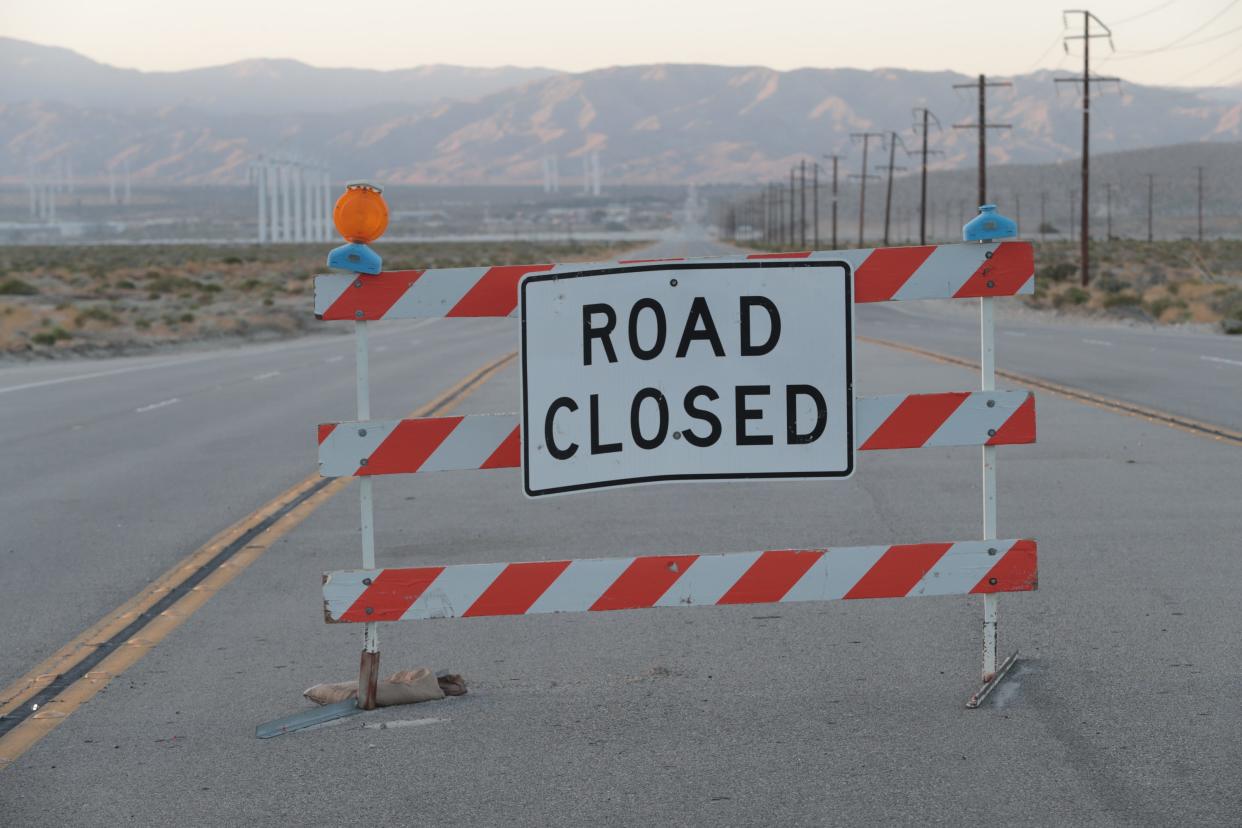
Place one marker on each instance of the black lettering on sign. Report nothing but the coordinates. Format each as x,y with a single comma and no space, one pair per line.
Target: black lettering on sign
604,333
596,446
792,392
554,450
699,313
703,414
661,328
774,317
636,409
742,414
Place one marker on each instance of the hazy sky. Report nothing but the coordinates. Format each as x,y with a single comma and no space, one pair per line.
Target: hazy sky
1179,42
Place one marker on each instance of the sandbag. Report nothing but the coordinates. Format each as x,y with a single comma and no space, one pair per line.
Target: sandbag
405,687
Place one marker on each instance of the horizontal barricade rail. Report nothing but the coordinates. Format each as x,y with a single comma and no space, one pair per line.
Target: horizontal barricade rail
944,271
601,584
492,441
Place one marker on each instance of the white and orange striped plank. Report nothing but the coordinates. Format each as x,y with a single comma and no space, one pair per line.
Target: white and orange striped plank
601,584
493,441
945,271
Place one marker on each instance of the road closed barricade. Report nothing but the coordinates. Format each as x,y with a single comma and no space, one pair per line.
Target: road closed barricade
675,371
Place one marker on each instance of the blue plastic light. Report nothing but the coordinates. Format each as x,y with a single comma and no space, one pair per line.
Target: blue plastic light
357,258
989,225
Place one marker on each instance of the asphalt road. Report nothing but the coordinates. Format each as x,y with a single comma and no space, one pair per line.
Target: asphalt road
1123,712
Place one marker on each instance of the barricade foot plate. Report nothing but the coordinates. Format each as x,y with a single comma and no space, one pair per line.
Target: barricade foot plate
307,718
986,690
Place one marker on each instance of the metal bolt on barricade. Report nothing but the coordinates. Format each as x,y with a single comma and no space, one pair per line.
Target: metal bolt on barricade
676,401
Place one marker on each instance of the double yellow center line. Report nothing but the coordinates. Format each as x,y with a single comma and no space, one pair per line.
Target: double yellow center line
36,703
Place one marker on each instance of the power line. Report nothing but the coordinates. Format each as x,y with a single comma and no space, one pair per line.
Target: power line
1043,55
1232,52
1174,44
1123,21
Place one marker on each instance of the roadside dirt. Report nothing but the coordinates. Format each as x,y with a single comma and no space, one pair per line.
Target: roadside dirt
110,300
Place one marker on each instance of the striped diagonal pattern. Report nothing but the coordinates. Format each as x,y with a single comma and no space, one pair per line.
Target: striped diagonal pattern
601,584
945,271
493,441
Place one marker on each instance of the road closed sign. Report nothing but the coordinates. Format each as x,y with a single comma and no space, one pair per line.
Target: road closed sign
686,371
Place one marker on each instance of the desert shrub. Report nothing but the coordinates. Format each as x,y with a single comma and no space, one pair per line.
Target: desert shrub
1120,300
186,317
51,337
1109,283
1072,296
126,284
1058,272
1157,307
1228,303
233,260
96,315
16,287
167,283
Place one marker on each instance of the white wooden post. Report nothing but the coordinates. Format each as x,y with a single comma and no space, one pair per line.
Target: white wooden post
368,671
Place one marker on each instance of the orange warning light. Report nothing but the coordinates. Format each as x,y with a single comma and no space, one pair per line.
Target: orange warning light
361,215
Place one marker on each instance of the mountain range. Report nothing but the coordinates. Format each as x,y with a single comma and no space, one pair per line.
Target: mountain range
458,125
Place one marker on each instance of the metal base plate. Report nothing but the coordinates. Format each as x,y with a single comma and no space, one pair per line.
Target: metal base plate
986,690
307,718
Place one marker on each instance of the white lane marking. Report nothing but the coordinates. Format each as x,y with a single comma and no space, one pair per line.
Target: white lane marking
109,373
1221,359
159,404
1103,342
401,723
332,359
240,352
1013,333
268,375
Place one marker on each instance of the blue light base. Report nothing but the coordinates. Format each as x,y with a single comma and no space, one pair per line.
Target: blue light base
989,225
356,257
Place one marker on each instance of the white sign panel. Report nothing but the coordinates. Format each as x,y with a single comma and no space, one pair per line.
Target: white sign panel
693,371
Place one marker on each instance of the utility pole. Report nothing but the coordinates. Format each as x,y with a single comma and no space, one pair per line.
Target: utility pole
893,141
927,116
834,158
1017,208
1108,211
815,202
802,199
862,195
1043,205
981,86
1086,81
1200,171
793,213
1073,197
1151,192
779,193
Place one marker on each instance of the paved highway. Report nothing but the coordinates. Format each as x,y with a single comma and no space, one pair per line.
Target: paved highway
1123,711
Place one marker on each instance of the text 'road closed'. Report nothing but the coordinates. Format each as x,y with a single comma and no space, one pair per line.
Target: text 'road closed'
684,372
